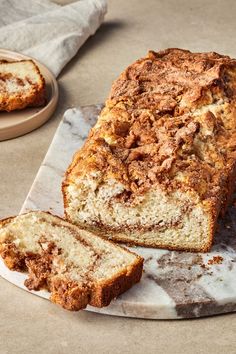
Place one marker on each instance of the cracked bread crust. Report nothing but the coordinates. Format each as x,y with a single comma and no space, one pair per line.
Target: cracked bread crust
46,267
34,96
169,123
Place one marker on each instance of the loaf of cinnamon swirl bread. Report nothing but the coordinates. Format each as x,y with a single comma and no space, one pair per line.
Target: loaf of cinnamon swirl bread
159,165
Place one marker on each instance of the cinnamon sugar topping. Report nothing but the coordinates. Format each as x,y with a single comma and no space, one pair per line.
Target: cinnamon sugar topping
168,122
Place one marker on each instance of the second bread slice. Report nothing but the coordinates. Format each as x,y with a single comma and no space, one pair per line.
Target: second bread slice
76,266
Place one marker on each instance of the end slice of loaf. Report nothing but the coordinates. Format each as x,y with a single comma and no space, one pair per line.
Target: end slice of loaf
76,266
21,85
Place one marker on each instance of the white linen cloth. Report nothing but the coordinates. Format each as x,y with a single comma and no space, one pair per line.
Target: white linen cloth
49,32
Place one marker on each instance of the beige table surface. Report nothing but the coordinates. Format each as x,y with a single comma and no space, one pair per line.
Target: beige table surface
29,324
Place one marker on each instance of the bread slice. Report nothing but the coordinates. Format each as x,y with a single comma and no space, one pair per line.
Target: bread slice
159,165
76,266
21,85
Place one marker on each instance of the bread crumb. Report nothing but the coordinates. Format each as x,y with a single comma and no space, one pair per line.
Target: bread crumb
215,260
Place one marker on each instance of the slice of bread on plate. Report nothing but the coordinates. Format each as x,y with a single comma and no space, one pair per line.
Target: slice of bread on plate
21,85
76,266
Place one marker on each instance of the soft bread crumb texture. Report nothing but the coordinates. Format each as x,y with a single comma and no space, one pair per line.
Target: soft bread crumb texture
161,217
78,267
21,85
159,165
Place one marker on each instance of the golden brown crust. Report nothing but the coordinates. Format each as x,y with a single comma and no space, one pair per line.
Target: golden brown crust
67,293
74,297
36,96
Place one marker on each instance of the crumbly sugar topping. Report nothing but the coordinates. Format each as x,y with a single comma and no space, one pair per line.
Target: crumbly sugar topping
170,120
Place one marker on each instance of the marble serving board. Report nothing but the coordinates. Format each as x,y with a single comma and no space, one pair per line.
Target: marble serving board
174,285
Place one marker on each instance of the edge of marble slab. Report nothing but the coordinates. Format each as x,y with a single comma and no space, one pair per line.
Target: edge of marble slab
118,307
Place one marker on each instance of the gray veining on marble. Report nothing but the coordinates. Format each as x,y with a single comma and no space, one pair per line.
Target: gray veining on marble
174,284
